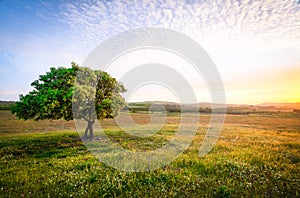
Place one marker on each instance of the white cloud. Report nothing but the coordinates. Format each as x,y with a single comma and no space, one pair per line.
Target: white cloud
268,24
226,29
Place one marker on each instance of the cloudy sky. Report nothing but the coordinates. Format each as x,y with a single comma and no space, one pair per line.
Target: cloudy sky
254,44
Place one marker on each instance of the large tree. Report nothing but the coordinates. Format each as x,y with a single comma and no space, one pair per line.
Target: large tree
61,89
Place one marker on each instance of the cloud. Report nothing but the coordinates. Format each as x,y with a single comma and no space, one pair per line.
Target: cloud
34,36
274,23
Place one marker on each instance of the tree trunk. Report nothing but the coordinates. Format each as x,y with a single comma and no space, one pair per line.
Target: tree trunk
89,128
90,124
86,133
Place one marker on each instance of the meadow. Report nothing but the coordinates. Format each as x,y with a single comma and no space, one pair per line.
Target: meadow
257,155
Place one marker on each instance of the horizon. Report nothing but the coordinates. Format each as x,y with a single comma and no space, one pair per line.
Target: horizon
263,103
254,45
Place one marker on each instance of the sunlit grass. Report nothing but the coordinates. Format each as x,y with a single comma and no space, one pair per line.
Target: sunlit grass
256,155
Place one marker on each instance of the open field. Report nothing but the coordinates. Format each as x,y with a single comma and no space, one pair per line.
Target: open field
256,155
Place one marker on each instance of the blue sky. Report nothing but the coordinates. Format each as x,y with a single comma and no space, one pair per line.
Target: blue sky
255,44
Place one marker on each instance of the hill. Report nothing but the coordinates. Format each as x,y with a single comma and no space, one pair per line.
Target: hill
6,105
280,105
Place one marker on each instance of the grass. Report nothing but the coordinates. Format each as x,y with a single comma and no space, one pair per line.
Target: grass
256,155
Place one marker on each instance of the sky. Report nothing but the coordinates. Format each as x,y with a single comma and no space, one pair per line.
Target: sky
254,44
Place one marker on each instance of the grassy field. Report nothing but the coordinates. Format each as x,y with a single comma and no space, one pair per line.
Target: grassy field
256,155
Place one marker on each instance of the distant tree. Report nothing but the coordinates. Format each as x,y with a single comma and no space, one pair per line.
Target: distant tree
52,96
296,110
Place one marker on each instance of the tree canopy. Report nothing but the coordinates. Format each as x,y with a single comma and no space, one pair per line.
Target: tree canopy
60,89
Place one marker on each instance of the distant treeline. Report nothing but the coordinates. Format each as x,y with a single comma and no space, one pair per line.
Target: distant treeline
177,108
6,105
169,108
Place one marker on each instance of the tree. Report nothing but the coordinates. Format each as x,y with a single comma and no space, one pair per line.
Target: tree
70,93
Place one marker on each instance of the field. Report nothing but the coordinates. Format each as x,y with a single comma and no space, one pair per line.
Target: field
257,154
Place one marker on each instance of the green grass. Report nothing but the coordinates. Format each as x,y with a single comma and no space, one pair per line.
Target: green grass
256,155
